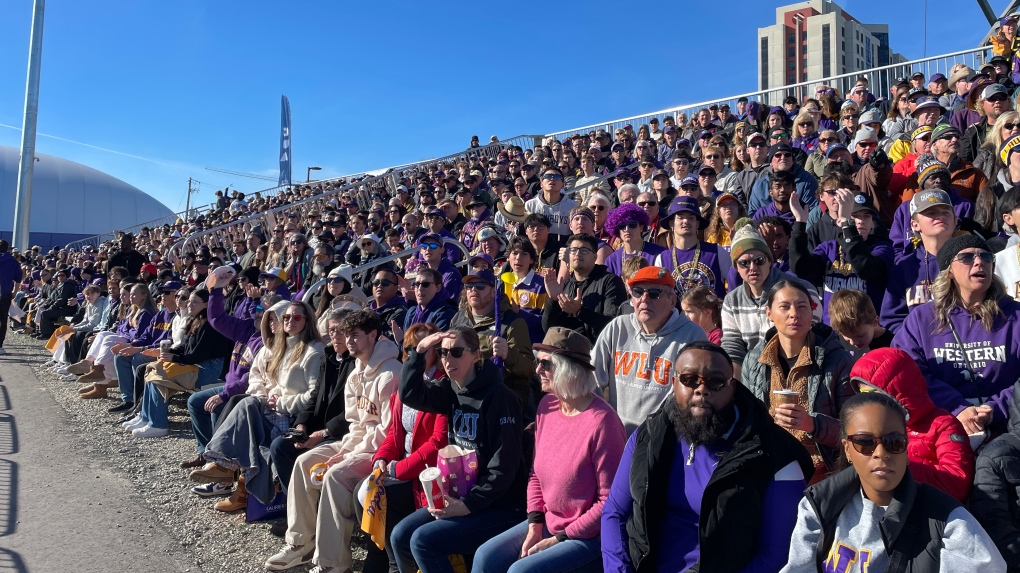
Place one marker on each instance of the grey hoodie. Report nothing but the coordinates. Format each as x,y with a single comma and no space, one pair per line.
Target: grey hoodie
635,369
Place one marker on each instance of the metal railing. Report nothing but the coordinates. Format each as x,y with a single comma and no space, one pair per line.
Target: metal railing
310,292
490,151
360,192
880,82
96,240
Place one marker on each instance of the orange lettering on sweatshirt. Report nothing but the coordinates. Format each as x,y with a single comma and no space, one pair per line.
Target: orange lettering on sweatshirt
625,362
663,369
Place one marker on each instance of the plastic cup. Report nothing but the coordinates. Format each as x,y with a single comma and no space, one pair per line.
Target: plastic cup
165,345
432,485
788,396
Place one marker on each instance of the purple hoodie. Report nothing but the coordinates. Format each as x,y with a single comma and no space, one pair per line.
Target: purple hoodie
125,330
247,342
909,286
158,330
994,356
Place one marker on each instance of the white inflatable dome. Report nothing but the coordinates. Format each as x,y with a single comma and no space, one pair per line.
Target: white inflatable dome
71,201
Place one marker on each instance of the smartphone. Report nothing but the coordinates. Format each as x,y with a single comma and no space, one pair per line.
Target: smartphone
295,435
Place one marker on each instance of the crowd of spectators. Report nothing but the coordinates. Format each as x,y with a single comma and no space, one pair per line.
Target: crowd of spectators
762,339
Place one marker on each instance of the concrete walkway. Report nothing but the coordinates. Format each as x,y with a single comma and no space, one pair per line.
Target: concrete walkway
60,510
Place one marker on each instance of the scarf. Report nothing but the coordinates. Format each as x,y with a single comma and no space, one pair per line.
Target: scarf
796,380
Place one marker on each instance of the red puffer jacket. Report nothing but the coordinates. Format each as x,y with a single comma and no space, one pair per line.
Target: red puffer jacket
428,437
938,449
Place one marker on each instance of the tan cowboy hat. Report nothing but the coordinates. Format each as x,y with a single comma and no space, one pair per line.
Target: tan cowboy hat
514,210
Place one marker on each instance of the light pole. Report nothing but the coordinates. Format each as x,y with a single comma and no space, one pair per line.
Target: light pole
23,200
308,173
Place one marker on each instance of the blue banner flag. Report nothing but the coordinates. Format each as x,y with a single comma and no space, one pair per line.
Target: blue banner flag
285,162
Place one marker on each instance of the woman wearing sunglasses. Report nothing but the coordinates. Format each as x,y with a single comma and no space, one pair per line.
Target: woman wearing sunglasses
628,223
485,416
938,454
873,516
808,360
281,383
967,339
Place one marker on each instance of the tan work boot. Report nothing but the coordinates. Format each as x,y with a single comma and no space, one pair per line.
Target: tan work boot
97,374
237,500
98,391
80,368
211,472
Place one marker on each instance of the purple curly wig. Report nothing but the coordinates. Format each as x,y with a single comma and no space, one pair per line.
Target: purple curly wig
625,214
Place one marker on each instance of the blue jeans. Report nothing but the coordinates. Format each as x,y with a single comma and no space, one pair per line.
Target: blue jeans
154,407
501,554
422,542
202,422
126,366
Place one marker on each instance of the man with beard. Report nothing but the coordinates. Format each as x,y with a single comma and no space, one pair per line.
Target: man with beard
322,262
708,482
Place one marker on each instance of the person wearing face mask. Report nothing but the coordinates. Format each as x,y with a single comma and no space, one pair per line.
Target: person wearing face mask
876,514
858,259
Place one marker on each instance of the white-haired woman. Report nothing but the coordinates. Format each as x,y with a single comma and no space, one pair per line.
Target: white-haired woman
579,440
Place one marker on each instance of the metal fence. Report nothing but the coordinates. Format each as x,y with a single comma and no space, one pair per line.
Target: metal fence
223,235
880,82
95,240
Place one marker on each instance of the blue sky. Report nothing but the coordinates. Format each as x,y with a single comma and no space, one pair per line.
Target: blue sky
191,83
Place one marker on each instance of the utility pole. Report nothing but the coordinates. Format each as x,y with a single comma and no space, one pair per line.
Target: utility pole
187,202
23,201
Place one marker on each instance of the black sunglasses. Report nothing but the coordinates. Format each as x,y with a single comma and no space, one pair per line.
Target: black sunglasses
382,283
423,284
746,263
456,351
545,364
894,443
713,383
653,293
630,225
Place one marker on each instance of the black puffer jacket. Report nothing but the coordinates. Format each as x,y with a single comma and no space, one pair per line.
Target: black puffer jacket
995,499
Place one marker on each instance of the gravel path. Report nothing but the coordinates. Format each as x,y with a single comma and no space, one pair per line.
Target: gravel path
214,541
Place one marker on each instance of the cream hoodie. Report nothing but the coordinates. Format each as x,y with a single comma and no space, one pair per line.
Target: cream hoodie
297,383
367,399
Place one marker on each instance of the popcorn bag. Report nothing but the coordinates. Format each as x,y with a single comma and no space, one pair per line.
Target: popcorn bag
459,469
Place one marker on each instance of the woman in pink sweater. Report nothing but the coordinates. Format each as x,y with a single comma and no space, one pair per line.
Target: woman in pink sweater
578,443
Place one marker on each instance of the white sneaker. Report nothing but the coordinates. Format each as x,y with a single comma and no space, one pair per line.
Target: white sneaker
61,370
49,363
213,489
68,378
320,569
149,432
291,556
135,423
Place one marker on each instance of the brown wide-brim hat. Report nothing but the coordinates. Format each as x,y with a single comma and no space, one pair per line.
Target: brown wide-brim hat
514,210
567,343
